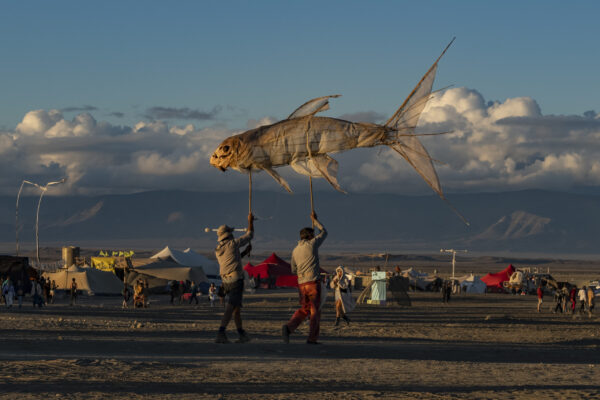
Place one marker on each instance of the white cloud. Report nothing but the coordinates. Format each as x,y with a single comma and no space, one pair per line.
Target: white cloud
499,145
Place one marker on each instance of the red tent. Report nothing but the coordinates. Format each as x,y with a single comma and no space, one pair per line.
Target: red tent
495,280
272,267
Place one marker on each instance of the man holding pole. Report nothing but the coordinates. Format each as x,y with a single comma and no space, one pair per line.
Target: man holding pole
305,263
232,275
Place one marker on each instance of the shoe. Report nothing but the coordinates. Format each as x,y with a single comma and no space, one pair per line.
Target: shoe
312,342
337,321
244,338
221,338
285,334
347,320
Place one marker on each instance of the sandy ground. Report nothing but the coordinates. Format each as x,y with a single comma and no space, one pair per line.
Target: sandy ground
476,347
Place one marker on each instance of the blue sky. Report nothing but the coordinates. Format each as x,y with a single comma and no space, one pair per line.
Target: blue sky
146,89
260,58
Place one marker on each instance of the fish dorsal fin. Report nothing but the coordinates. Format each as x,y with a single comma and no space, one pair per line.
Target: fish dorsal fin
313,106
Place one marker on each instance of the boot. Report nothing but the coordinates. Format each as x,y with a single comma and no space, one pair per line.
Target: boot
337,321
244,338
347,320
221,338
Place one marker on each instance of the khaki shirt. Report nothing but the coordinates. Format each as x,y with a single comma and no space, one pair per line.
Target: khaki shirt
229,258
305,257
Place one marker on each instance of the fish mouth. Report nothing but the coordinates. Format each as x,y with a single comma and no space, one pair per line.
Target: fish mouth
222,169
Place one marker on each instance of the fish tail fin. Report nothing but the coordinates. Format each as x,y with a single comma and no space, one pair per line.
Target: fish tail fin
407,115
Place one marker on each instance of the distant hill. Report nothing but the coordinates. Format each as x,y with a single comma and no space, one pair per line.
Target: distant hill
525,221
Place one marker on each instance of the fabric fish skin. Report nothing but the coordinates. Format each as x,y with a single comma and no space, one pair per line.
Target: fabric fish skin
305,141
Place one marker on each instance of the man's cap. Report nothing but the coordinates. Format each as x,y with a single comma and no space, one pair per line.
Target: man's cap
224,231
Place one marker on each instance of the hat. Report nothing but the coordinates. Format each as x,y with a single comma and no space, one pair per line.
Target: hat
223,232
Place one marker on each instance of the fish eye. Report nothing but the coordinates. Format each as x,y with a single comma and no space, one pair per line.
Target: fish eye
225,148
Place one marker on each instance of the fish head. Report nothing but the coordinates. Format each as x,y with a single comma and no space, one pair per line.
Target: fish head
225,155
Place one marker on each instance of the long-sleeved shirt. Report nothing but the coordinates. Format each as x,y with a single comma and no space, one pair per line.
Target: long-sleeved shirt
230,259
305,257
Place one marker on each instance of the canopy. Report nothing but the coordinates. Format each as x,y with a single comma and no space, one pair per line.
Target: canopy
159,273
495,280
90,280
272,267
189,258
18,269
276,269
472,284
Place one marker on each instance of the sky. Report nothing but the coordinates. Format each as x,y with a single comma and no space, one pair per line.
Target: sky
128,96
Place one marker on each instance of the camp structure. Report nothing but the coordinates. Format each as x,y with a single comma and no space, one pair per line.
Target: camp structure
90,280
18,269
421,280
395,291
272,272
471,284
160,273
495,281
190,258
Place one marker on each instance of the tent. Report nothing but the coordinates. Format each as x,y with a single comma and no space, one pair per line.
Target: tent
472,284
18,269
273,271
495,280
90,280
189,258
159,273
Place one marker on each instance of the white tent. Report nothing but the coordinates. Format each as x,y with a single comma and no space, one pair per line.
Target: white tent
90,280
472,284
189,258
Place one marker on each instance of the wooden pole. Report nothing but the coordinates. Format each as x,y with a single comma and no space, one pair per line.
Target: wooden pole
250,191
312,203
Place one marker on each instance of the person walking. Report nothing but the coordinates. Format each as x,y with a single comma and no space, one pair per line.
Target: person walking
73,290
212,294
232,275
305,263
590,298
194,292
20,292
582,294
126,295
343,295
573,299
540,297
36,293
9,293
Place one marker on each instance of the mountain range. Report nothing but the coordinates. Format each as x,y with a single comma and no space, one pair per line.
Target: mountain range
530,221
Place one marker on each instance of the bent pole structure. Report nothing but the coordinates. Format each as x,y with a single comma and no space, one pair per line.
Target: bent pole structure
17,211
37,217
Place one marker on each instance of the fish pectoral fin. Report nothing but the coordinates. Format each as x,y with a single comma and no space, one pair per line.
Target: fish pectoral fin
278,179
328,168
313,106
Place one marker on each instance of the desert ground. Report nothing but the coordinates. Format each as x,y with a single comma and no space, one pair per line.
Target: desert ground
490,346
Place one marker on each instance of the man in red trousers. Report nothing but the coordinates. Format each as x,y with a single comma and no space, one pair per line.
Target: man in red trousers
305,263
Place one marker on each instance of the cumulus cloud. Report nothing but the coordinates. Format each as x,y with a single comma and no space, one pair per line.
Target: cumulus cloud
182,113
494,146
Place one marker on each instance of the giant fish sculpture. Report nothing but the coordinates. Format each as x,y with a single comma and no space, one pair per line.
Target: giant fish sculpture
305,142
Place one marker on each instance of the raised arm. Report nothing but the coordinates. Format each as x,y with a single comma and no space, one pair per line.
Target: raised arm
320,238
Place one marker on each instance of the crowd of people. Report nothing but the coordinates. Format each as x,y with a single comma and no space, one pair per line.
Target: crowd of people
42,292
571,300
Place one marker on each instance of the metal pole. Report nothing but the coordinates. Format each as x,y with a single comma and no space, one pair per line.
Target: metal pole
17,210
37,225
17,217
453,262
